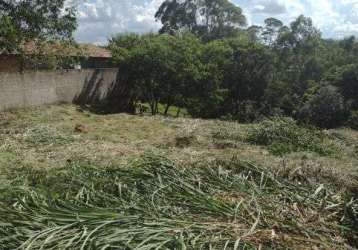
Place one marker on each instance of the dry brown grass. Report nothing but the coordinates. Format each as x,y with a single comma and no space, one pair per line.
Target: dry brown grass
45,137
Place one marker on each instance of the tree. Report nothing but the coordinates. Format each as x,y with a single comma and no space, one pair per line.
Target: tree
209,93
254,33
27,20
345,78
261,71
325,108
271,30
208,19
188,71
122,44
298,49
161,68
251,70
9,35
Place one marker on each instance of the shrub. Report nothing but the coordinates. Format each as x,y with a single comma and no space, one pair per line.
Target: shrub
353,120
325,108
284,135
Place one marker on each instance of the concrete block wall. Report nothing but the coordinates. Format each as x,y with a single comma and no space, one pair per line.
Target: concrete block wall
18,90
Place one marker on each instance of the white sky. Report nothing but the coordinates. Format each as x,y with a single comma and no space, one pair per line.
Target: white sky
99,19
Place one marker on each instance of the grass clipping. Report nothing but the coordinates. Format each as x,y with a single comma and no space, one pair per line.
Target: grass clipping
153,204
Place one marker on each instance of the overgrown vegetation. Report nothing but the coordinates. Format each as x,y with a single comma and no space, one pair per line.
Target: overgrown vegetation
60,187
153,204
284,135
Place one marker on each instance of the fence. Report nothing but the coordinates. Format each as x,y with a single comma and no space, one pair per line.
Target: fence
90,86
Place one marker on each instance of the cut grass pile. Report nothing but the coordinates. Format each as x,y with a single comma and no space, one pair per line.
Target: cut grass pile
90,188
154,204
45,136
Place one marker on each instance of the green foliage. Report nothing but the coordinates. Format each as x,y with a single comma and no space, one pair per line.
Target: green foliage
209,93
23,21
345,78
325,108
9,36
271,30
353,120
214,19
240,75
159,67
284,135
154,204
121,46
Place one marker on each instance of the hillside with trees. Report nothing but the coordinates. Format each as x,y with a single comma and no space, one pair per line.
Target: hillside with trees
205,60
246,137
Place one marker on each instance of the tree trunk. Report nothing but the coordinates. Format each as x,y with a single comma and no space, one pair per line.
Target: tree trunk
167,109
155,108
152,107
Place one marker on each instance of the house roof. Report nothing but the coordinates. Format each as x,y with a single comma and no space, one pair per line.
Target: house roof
58,48
95,51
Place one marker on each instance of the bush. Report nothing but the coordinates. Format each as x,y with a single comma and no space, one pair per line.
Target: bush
353,120
325,108
284,135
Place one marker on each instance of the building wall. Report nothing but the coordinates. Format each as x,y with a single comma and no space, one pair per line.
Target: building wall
28,89
12,63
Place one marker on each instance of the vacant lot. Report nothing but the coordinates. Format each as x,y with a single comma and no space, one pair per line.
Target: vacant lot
78,179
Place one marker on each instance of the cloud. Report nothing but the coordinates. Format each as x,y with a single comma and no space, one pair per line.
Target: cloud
270,7
99,19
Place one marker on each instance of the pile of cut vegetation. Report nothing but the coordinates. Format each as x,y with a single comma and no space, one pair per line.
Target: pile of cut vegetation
154,204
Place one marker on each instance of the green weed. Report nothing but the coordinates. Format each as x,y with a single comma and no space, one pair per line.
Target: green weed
284,135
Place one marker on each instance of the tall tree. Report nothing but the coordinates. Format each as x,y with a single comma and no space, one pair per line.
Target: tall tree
299,47
254,33
208,19
271,30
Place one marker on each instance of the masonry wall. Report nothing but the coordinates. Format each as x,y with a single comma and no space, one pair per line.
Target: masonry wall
18,90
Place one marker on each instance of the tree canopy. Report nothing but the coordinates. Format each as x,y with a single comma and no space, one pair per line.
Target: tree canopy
208,19
245,74
29,20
